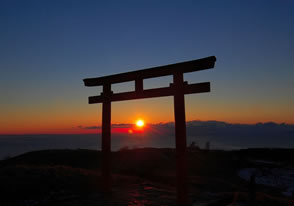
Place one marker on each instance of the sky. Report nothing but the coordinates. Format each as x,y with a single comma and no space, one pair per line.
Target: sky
48,47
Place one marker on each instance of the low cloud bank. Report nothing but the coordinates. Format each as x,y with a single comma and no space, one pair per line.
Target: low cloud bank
219,134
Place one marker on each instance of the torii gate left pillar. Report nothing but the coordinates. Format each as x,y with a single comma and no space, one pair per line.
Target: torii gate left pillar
106,138
177,89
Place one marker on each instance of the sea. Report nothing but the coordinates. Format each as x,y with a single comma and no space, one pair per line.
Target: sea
13,145
205,135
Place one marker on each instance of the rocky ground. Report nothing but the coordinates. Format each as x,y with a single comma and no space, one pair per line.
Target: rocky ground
147,177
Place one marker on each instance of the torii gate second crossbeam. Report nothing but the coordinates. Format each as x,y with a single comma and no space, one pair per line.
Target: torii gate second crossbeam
177,89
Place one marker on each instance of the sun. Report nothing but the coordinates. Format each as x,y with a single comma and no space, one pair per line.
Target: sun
140,123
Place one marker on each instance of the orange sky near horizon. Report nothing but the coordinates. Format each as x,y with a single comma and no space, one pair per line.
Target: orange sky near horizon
67,118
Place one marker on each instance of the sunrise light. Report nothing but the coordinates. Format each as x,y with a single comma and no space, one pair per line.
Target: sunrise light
140,123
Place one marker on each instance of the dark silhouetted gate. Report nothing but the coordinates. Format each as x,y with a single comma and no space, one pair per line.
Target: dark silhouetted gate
177,89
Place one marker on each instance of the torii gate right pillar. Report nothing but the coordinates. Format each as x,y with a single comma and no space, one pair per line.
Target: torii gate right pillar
181,142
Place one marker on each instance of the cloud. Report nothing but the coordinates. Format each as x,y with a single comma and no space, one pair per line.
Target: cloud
89,127
100,127
122,125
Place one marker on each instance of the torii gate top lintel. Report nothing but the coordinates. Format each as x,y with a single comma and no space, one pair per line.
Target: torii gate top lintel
139,75
182,67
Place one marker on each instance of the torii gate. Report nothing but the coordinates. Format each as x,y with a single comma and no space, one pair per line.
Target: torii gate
177,89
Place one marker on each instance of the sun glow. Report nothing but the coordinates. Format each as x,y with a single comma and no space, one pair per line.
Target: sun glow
140,123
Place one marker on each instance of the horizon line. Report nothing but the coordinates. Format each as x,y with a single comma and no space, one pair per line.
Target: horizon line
98,127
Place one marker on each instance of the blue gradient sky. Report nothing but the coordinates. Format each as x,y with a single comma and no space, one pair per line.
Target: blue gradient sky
48,47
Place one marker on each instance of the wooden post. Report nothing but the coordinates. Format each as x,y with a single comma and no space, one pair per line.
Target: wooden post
181,142
139,85
106,138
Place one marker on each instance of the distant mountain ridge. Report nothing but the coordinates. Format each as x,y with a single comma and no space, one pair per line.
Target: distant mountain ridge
222,123
268,134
